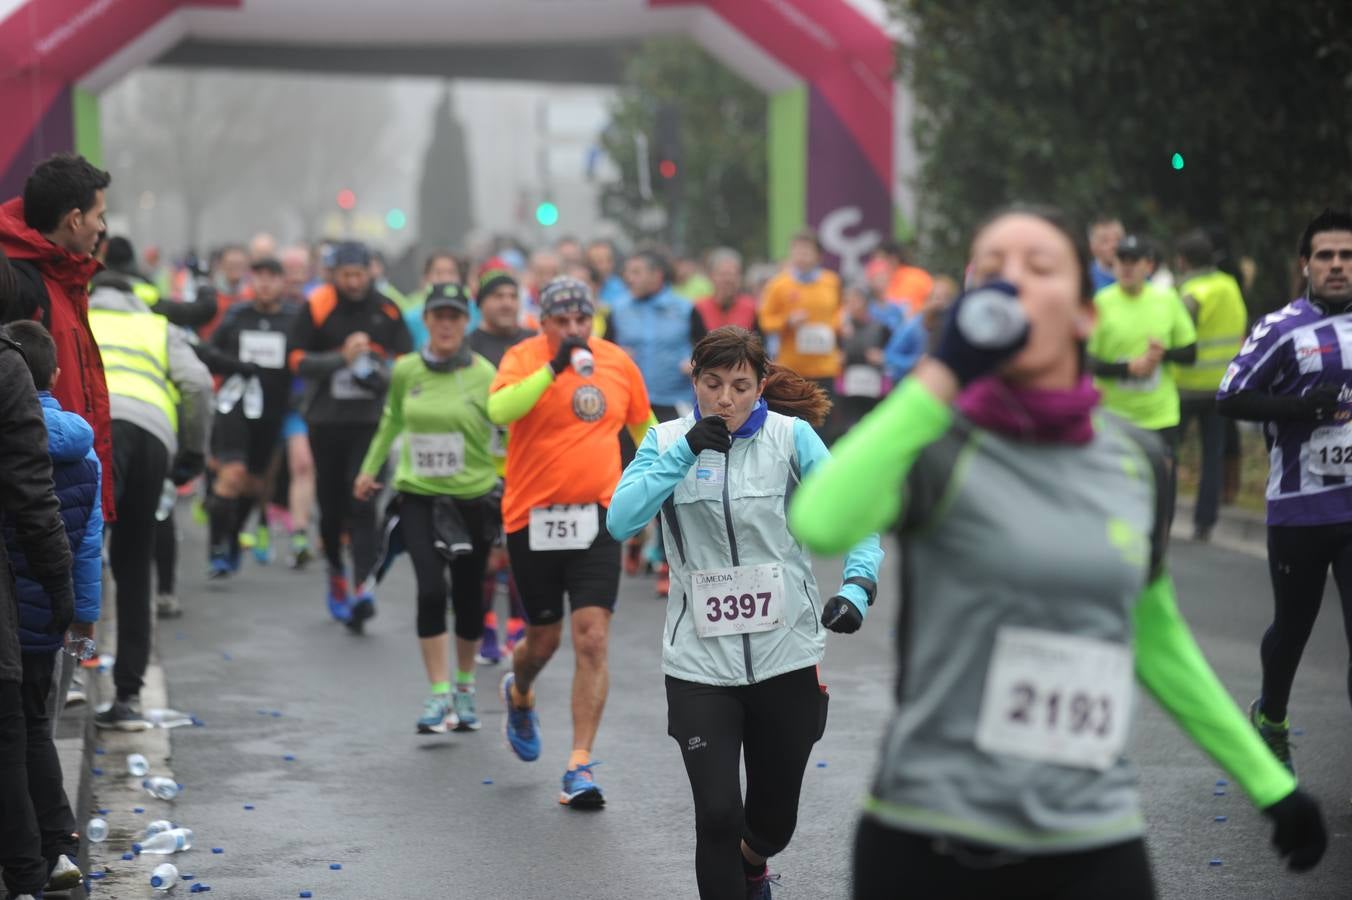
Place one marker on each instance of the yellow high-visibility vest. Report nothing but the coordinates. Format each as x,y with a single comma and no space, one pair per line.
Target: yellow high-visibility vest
135,350
1221,322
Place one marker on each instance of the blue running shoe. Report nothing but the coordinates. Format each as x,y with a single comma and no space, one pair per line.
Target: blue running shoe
340,605
436,716
580,790
363,608
465,717
218,567
523,725
262,548
490,651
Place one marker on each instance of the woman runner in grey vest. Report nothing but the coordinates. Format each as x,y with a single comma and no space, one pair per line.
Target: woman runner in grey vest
1033,529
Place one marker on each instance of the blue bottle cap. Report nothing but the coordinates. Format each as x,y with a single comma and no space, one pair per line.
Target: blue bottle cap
248,806
127,856
96,770
1222,818
135,848
217,850
138,809
1216,862
289,757
335,866
99,751
156,881
306,894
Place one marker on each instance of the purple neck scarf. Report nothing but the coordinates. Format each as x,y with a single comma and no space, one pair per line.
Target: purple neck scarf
1028,414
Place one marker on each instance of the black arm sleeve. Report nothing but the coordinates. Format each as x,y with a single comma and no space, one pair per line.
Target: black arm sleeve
1182,355
1106,369
190,315
697,327
1255,406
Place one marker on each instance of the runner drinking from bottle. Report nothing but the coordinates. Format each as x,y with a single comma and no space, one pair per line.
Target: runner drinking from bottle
1034,529
448,505
564,396
744,634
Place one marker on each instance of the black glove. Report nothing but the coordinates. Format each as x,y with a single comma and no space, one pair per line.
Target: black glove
250,369
186,467
1321,401
564,358
1299,834
63,609
841,616
709,433
984,328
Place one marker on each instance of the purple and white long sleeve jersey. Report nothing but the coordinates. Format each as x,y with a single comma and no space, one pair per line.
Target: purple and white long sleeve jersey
1310,463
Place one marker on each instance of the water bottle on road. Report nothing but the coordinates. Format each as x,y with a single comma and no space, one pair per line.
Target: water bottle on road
159,786
164,877
157,826
138,765
96,831
166,842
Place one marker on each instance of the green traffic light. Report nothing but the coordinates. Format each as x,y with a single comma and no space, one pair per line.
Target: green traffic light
396,220
1177,162
547,214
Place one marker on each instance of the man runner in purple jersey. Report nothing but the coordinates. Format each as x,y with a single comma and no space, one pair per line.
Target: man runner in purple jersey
1294,374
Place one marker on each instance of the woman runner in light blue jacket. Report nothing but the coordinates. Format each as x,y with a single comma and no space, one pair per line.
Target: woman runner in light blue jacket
745,627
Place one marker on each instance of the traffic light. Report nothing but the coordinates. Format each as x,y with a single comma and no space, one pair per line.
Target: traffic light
1177,162
667,168
346,199
395,219
547,214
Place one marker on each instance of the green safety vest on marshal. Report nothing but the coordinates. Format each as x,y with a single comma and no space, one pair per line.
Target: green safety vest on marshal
135,350
1221,321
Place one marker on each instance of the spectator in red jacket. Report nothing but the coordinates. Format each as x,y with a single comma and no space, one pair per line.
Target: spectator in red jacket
49,235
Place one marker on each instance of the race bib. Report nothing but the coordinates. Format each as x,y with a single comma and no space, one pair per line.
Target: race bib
710,473
265,348
563,527
1331,450
815,340
1056,698
737,600
437,455
344,386
862,381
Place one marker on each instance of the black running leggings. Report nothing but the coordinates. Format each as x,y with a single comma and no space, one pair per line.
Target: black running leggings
429,568
774,723
338,451
1299,558
890,864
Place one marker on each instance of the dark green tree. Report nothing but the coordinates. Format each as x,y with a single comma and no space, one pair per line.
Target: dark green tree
1083,105
722,159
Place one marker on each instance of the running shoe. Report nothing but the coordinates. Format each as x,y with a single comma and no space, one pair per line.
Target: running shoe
301,554
219,567
633,555
76,695
522,726
121,716
1277,735
199,512
65,875
167,605
466,719
436,716
516,633
247,540
580,790
262,547
340,604
758,888
663,586
363,608
490,651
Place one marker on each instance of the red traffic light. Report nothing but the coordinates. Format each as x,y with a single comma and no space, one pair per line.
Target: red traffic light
666,168
346,199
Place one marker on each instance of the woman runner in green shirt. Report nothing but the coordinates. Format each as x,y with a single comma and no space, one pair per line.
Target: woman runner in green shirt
448,509
1033,529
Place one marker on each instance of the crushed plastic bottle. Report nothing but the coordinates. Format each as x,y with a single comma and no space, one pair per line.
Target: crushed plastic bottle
253,398
158,826
168,497
164,877
97,831
229,395
166,842
161,787
138,765
167,718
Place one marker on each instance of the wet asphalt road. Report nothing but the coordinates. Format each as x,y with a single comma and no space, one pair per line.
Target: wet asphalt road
407,816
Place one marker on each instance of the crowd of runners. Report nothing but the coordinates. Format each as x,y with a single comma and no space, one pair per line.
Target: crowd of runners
530,427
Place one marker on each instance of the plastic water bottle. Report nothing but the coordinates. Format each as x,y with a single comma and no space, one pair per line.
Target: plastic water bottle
138,765
991,315
164,877
96,831
168,497
166,842
159,786
158,826
228,396
363,366
584,363
253,398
